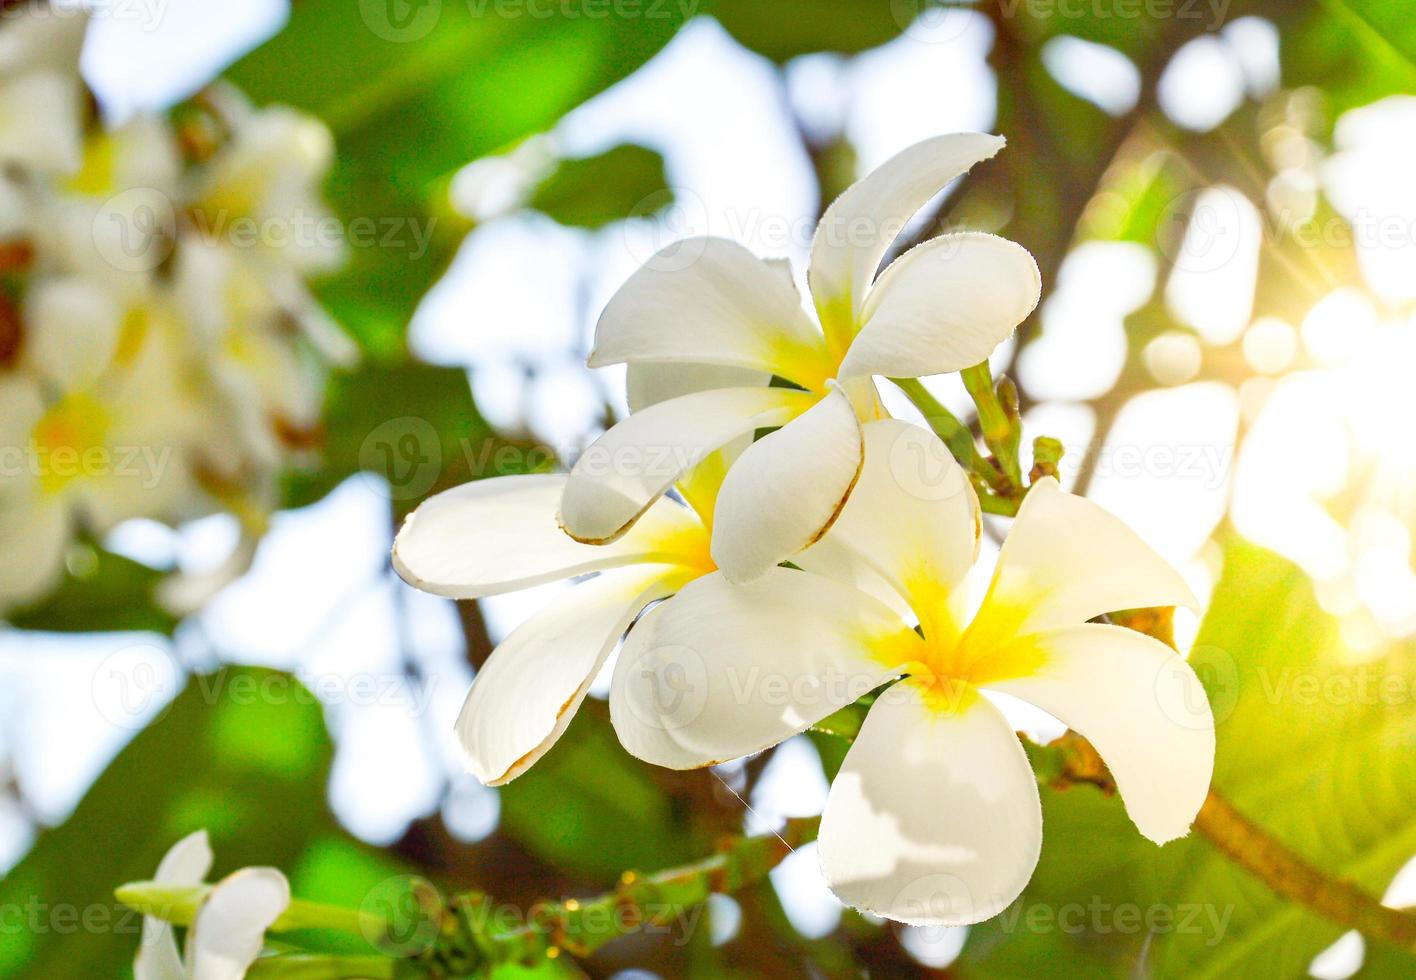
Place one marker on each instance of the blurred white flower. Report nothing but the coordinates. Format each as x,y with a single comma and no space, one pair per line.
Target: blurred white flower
161,354
41,97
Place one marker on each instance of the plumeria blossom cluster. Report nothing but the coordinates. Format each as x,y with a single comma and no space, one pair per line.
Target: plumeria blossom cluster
160,353
825,562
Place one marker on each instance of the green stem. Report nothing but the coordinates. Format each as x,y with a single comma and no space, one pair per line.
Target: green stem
582,926
988,480
178,904
998,419
316,967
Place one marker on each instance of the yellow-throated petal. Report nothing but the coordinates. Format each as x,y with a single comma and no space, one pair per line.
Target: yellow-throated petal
913,516
721,671
531,686
860,226
944,306
934,818
786,489
500,535
632,464
711,301
1140,704
1067,560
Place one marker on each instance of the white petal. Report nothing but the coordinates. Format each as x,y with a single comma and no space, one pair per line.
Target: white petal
651,382
787,488
40,124
34,533
71,330
500,535
934,818
186,863
860,225
1143,708
1067,560
229,931
631,465
913,516
21,408
943,306
711,301
530,688
721,671
36,38
831,558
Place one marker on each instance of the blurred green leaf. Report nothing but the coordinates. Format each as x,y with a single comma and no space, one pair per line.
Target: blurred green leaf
104,593
242,753
591,192
414,91
590,808
414,425
1357,51
784,29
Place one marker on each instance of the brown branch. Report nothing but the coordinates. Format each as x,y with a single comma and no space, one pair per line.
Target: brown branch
1252,848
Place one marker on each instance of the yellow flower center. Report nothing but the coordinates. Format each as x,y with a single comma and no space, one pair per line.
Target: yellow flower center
950,663
66,437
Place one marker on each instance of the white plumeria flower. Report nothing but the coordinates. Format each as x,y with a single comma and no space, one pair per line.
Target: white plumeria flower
245,337
728,322
41,95
500,535
261,192
228,933
113,220
934,817
96,428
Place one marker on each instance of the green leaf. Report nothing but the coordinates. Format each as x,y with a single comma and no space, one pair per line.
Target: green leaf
103,593
412,101
591,192
589,807
414,425
1357,51
1308,747
1314,744
783,29
242,753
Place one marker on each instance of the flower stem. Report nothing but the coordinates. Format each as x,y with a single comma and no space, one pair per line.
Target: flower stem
301,966
178,904
582,926
998,419
996,495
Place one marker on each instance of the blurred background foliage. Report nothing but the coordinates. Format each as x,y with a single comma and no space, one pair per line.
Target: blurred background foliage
498,135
